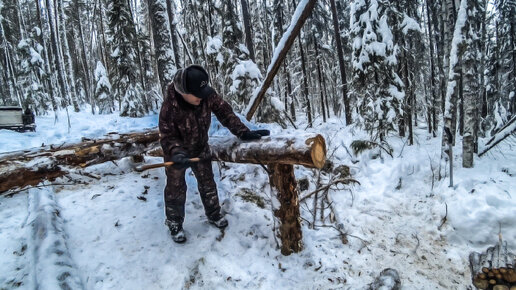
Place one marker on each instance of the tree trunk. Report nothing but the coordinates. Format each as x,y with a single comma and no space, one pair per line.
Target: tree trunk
247,27
85,65
283,179
305,83
347,109
42,41
55,48
172,27
433,106
319,75
66,53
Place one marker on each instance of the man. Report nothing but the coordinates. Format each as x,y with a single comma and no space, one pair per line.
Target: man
184,121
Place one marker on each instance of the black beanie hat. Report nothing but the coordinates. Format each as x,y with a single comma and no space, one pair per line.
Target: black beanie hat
193,80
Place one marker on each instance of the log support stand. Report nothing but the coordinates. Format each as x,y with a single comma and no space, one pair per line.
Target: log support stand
283,179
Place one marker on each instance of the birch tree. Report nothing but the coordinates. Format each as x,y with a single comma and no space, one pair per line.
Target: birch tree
162,42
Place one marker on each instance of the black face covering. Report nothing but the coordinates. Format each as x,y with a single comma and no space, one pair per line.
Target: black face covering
184,104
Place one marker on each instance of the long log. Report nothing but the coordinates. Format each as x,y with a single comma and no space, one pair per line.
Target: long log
29,167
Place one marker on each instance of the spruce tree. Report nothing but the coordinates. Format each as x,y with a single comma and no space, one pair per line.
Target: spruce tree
103,97
128,89
377,89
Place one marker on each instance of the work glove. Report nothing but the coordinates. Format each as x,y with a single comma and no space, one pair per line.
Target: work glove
181,161
254,134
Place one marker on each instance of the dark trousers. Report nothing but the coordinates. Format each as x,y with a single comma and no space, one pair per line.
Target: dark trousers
175,191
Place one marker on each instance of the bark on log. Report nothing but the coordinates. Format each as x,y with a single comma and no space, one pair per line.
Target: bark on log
308,150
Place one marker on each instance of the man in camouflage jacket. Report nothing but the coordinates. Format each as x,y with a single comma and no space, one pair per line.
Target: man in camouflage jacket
184,121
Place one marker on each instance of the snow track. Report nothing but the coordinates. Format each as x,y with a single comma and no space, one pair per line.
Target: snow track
51,264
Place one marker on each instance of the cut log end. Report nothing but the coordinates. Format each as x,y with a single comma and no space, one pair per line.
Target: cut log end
318,151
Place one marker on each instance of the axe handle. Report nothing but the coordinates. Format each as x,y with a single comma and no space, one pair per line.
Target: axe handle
164,164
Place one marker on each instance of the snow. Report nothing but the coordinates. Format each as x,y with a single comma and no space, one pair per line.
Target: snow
245,69
116,238
35,59
51,261
213,45
83,124
278,104
101,77
409,23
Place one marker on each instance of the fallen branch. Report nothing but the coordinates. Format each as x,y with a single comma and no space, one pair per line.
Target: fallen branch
444,219
507,130
328,186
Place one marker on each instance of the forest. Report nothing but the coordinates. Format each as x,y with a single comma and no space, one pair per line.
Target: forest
382,65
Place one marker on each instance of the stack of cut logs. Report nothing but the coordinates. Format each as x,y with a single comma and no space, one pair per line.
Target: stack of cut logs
496,279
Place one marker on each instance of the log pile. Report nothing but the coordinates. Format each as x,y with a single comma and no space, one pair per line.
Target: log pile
494,269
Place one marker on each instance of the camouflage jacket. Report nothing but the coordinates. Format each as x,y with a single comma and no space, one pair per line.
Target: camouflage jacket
184,127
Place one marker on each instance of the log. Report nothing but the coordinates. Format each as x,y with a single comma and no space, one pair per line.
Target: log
308,150
30,167
494,268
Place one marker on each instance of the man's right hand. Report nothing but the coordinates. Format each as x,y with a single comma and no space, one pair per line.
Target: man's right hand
181,161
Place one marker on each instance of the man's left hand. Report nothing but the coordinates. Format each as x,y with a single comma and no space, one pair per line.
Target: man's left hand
254,134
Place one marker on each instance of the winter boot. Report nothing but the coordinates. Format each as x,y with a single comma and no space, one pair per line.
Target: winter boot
176,231
219,221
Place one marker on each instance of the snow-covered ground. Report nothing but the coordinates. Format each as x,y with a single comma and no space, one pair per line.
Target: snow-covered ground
116,238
